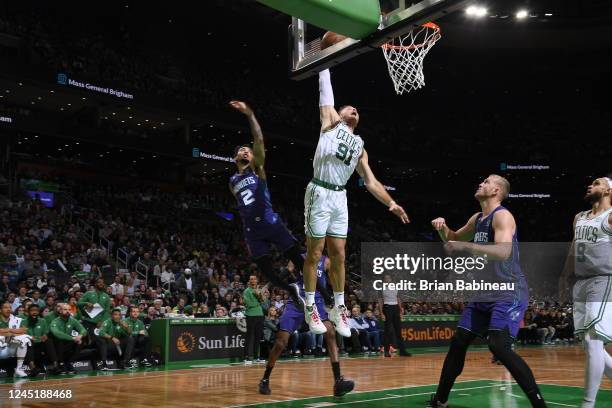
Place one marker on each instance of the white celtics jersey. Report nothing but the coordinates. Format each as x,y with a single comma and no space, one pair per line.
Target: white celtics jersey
337,155
593,245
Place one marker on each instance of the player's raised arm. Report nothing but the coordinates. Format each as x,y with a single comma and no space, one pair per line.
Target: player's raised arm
377,189
327,111
465,233
259,151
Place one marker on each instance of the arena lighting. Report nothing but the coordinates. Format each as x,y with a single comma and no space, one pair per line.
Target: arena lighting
476,11
548,14
521,14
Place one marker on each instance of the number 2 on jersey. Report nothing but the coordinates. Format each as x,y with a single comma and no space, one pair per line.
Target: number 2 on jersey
247,197
343,151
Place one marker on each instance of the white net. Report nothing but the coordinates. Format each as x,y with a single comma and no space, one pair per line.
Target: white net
405,56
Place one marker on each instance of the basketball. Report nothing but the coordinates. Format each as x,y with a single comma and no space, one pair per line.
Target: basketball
330,39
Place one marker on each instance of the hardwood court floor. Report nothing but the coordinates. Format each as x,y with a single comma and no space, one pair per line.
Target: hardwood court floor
380,382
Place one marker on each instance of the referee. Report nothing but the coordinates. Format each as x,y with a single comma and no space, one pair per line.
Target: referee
389,304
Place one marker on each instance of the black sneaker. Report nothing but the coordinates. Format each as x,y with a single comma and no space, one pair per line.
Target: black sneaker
146,362
264,387
34,372
104,367
435,403
69,369
342,387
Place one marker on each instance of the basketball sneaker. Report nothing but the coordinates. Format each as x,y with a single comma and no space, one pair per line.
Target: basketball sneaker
264,387
434,403
314,320
338,317
342,386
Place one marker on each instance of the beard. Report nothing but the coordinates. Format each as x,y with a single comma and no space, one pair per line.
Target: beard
592,198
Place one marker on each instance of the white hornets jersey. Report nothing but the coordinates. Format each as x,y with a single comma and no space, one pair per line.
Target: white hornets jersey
593,245
337,155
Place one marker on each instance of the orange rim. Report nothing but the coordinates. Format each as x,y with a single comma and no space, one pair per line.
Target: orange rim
432,39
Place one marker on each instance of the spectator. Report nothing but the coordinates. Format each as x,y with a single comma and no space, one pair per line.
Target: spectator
373,330
38,328
359,331
545,329
142,341
253,299
271,326
98,303
13,351
68,345
185,285
117,287
117,334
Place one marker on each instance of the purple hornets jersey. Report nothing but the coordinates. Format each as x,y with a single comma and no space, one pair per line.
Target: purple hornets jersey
503,271
253,197
499,310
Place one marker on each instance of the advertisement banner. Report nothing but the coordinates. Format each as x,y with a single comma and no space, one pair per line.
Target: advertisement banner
200,342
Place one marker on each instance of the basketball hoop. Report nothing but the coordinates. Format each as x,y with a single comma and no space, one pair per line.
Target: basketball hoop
405,55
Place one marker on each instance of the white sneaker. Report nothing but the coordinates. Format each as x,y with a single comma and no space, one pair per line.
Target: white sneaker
338,317
314,320
248,362
20,373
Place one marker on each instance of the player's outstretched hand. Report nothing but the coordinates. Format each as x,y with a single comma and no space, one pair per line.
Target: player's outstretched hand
399,212
438,223
241,107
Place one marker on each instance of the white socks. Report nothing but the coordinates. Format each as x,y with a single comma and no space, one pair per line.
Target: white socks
338,299
310,298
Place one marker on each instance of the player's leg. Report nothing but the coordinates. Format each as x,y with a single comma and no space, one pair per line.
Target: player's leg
317,217
291,320
337,278
474,321
280,344
341,385
336,247
597,329
500,344
453,365
594,368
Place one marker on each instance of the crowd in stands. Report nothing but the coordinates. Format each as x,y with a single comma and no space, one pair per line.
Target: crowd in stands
186,270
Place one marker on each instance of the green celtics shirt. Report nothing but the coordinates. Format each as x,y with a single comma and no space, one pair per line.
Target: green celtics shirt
37,328
113,329
94,297
50,317
63,329
136,325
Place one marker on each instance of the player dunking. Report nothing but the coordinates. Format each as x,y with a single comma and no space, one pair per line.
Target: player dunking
262,226
497,320
339,152
291,320
591,261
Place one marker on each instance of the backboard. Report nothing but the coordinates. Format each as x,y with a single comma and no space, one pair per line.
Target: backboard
399,17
